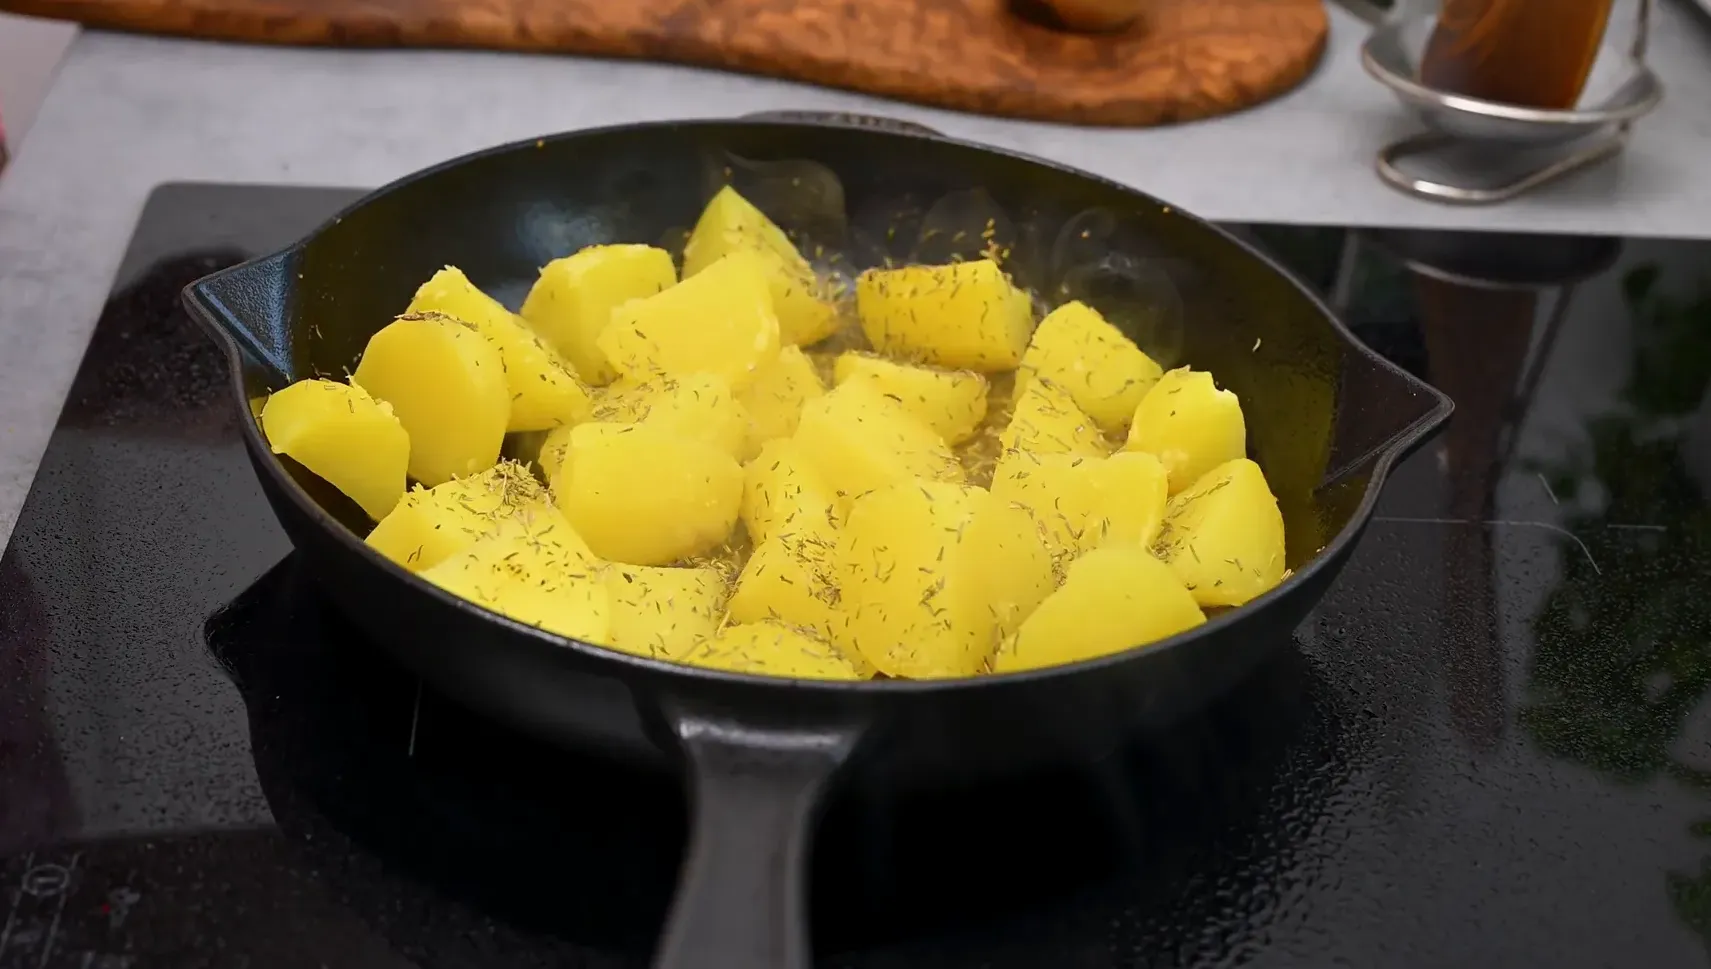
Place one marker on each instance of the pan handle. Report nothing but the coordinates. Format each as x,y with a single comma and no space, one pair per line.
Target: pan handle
846,119
755,797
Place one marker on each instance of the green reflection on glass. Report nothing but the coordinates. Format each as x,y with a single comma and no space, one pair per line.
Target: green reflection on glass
1623,658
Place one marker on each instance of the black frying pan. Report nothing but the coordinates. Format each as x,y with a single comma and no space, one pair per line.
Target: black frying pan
1327,419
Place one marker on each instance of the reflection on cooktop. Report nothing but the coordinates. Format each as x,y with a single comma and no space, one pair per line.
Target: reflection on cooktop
1491,747
398,791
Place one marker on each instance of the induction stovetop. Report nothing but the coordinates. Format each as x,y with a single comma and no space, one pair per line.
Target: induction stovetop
1492,746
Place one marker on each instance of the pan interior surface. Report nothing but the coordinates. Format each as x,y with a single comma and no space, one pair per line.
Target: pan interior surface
1321,410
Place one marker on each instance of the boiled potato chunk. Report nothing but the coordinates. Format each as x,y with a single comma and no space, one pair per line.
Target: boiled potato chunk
343,435
773,649
951,402
718,321
663,613
774,401
1082,503
1113,599
932,575
645,496
1133,490
697,405
430,524
1101,369
789,578
966,315
556,448
447,385
1047,421
540,584
1059,490
1190,425
544,391
730,223
1224,535
859,440
782,492
572,301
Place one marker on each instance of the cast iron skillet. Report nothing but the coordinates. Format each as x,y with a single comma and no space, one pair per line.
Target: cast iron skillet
1327,420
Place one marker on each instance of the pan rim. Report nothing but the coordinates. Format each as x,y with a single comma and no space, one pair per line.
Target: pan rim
1396,447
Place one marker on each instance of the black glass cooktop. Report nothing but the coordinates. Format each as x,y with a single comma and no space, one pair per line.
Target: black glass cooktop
1492,746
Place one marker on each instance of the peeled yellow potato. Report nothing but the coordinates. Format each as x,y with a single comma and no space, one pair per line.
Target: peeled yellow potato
774,401
1113,599
932,575
951,402
773,649
730,223
544,391
537,583
447,385
789,579
572,301
718,321
645,496
429,524
858,440
1190,425
782,492
1101,369
343,435
1224,535
697,405
966,315
1060,490
1130,506
663,613
555,449
1082,503
1047,421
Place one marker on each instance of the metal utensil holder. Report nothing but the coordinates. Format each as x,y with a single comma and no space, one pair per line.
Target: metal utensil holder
1589,135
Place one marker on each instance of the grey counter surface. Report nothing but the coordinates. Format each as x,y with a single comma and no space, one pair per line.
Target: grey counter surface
127,113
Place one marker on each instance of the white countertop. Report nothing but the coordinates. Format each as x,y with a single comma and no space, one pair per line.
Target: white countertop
127,113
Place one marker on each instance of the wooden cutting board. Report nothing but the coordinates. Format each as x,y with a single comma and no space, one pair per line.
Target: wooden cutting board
1183,59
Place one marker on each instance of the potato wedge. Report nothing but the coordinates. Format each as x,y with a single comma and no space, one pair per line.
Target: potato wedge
951,402
782,492
1113,599
641,495
858,440
1130,507
663,613
1189,425
555,449
430,524
697,405
931,575
790,579
1082,503
1224,535
1047,421
773,649
535,583
966,316
544,391
1101,369
718,321
447,385
572,301
774,401
343,435
730,223
1059,490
